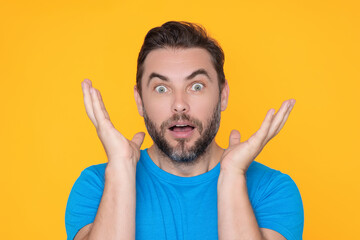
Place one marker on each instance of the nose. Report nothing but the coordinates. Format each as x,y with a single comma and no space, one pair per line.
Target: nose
180,104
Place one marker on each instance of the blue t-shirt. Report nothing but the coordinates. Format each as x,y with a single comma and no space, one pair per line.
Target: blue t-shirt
170,207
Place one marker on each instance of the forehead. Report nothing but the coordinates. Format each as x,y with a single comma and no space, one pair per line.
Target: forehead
178,63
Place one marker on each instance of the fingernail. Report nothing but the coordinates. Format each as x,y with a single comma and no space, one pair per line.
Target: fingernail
292,105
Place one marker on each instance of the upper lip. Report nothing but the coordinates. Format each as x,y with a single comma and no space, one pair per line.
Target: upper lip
181,123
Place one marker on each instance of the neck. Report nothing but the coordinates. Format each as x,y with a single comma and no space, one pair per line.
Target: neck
203,164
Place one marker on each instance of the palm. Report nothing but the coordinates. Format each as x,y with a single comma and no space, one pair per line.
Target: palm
239,155
115,144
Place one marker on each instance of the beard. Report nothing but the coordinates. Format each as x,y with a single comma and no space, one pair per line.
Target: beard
181,154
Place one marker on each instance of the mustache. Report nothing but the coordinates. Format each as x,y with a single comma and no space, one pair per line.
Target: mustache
181,117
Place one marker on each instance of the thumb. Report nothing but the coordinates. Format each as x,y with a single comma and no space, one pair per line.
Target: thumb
138,138
234,138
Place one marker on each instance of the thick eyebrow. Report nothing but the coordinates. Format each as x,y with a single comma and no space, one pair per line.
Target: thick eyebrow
191,76
198,72
156,75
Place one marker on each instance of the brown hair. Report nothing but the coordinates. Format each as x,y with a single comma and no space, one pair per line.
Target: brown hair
181,35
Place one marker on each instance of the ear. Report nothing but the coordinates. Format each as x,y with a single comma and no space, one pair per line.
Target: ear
138,101
224,96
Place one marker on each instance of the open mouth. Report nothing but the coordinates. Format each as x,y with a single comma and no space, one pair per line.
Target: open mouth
181,128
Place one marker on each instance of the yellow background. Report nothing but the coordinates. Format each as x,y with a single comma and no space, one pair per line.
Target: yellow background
275,50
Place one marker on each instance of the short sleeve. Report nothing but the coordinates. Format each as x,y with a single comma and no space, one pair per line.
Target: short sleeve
83,201
280,208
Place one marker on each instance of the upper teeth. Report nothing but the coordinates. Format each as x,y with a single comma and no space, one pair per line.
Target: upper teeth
180,125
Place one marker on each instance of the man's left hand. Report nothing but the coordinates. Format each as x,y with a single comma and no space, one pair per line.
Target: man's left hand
239,155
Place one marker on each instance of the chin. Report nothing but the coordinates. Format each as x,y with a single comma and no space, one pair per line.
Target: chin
184,152
183,139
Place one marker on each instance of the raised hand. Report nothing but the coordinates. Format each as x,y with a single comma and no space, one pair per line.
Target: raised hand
118,149
239,155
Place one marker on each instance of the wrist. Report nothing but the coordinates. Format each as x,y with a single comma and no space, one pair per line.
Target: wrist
229,178
229,171
122,169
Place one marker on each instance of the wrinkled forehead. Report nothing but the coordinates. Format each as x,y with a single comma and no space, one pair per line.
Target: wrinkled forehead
177,63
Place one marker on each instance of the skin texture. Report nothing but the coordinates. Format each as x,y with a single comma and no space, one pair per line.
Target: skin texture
236,217
181,154
176,65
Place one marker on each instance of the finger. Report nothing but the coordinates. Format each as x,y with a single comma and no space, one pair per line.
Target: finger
234,138
102,105
138,138
258,138
86,85
286,116
98,113
278,118
88,81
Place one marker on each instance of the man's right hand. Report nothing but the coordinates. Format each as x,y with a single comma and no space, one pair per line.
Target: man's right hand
118,149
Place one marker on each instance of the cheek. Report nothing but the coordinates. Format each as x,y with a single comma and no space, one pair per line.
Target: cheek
157,111
203,108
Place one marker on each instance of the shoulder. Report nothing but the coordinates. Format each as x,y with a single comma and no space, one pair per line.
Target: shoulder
259,173
259,168
276,201
262,173
84,199
97,170
91,181
94,173
264,181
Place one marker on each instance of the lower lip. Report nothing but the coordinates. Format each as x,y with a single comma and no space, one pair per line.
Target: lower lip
183,134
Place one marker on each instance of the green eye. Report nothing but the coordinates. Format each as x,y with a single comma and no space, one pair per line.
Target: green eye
161,89
197,87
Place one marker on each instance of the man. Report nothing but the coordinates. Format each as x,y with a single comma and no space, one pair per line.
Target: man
184,186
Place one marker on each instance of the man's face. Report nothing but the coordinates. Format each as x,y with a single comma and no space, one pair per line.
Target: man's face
181,103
